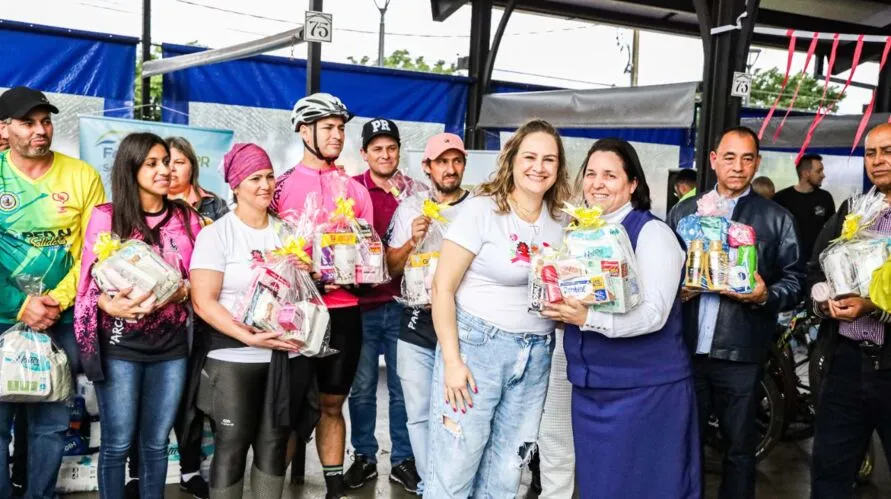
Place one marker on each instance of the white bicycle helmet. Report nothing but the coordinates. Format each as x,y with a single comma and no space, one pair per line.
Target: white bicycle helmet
311,109
314,107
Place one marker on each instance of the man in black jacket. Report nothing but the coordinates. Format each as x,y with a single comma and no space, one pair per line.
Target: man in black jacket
855,398
729,333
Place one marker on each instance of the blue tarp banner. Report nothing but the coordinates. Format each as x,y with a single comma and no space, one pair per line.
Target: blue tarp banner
277,82
69,62
100,137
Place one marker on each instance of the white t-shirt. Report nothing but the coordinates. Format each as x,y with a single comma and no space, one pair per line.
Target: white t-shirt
399,232
225,246
495,286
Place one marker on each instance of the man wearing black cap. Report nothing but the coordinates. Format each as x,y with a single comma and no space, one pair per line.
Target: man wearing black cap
45,203
381,317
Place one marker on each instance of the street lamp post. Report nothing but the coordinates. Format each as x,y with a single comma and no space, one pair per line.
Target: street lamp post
380,36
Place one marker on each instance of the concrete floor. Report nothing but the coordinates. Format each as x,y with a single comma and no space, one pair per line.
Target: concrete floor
783,475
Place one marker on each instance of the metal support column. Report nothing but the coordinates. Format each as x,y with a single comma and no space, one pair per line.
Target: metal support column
725,53
313,58
145,110
480,30
883,93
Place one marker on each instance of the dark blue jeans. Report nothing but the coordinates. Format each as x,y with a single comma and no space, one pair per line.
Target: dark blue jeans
380,328
142,395
855,400
47,424
730,391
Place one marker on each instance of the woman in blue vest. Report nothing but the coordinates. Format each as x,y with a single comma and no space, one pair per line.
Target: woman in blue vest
633,402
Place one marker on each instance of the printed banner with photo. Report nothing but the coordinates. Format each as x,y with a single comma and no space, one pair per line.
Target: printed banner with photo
99,139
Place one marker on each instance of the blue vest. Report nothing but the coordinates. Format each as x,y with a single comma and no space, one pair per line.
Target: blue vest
595,361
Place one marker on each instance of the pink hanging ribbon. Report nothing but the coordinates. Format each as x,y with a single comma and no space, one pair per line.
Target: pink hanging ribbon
865,120
791,34
821,112
807,62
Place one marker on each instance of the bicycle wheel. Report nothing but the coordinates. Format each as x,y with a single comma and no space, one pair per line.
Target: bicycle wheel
781,367
868,465
771,417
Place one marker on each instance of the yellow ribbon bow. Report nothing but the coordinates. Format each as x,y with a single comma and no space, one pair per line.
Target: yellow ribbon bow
294,247
106,245
431,210
850,227
584,217
344,208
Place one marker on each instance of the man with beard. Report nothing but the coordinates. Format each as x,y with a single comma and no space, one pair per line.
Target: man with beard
381,316
444,161
810,205
46,199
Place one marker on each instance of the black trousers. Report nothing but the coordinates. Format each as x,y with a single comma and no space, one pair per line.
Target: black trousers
855,401
729,390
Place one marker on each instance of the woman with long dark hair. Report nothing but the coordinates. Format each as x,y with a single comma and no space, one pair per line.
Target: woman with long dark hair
633,403
135,350
493,359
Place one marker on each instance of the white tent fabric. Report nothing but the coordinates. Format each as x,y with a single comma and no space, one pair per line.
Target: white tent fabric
835,131
657,106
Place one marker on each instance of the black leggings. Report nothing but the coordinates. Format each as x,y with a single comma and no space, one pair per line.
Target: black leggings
233,395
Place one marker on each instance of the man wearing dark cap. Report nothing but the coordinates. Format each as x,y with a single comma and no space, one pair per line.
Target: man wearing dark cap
46,199
381,316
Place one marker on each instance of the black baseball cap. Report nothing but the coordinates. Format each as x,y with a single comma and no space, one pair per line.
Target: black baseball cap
379,126
17,102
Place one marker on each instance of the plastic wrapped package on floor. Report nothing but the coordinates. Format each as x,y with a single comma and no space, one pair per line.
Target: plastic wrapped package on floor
95,433
173,471
86,390
207,448
78,474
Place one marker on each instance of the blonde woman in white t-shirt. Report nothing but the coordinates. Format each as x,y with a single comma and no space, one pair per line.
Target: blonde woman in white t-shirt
494,357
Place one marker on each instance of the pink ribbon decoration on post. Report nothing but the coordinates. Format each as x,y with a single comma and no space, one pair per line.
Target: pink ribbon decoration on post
807,62
791,34
866,115
820,111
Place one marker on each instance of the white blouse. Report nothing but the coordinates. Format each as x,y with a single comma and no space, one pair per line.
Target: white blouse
660,265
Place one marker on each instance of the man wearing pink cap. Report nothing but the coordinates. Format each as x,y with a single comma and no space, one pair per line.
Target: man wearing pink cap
444,161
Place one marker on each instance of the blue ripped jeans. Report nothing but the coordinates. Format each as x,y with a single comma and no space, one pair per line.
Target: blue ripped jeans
480,453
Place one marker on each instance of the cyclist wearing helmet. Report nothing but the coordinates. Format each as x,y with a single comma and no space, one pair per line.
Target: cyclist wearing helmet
319,119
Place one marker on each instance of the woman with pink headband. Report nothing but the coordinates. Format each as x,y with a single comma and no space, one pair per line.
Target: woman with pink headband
254,386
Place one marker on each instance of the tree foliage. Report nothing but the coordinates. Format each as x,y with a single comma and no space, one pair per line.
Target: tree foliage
155,85
766,86
402,59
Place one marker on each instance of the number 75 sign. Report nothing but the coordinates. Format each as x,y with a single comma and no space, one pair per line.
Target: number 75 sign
317,27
